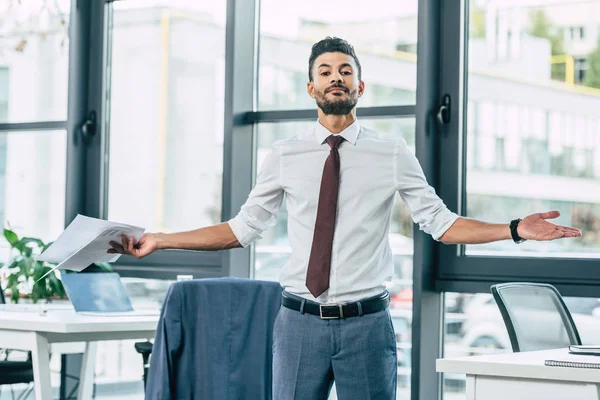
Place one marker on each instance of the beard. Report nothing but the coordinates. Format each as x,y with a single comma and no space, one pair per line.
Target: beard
337,106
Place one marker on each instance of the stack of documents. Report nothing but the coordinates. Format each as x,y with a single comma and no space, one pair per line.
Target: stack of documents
85,241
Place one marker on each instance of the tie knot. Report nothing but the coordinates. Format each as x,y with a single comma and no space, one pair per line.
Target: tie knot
334,141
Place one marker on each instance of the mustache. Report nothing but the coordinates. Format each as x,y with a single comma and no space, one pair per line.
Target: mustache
337,86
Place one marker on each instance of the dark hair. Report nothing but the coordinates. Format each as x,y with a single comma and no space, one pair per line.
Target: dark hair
331,45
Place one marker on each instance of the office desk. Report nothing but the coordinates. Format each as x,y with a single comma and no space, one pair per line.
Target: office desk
517,376
33,332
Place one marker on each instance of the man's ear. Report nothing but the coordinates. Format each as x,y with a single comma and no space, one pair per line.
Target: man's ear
310,88
361,88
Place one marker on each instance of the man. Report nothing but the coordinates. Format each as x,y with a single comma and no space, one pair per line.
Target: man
339,179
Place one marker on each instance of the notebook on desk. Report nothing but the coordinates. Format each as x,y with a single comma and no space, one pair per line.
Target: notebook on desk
100,294
579,357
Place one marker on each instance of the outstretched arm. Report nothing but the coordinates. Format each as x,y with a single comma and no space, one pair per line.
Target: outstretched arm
532,227
211,238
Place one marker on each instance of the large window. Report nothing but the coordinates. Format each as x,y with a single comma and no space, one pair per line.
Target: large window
166,114
34,54
164,140
533,136
32,183
383,33
525,142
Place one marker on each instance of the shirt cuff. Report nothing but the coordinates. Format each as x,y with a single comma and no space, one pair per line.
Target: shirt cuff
242,232
449,218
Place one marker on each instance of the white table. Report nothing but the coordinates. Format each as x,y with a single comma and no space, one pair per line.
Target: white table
33,332
517,376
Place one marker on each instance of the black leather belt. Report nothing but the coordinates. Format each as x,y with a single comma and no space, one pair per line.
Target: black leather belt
336,311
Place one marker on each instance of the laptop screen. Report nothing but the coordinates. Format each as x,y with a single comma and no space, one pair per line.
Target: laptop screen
96,292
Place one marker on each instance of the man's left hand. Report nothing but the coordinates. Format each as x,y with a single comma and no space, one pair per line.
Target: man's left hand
535,227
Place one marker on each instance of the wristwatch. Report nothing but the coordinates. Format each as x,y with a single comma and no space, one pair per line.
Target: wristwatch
513,231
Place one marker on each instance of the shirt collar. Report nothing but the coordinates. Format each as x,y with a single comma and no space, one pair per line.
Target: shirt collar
350,134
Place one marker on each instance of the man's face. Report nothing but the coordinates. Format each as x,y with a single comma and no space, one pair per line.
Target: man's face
335,85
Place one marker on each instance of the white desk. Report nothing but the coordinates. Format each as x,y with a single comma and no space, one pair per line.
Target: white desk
517,376
33,332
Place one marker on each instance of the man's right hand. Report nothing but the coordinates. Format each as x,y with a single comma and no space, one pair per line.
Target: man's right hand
147,244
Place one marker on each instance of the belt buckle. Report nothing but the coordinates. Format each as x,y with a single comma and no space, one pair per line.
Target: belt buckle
331,305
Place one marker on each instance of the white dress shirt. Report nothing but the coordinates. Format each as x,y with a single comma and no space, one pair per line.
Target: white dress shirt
373,167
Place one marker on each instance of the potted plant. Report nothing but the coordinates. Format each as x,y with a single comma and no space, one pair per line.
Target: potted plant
23,271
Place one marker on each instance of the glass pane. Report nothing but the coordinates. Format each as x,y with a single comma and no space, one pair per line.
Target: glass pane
272,251
385,41
533,130
166,114
32,184
474,326
34,60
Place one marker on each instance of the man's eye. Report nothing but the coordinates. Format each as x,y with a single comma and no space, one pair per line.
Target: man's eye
346,72
324,73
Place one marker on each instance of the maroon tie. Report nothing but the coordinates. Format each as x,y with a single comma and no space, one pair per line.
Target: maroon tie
317,277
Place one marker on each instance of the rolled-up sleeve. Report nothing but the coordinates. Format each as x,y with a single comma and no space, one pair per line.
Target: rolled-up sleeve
427,209
259,213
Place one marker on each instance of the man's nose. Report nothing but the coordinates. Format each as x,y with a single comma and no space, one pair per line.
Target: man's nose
336,78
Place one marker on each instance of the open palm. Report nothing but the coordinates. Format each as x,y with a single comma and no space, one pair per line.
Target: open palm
535,227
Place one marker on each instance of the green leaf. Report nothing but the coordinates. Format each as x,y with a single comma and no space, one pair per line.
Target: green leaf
11,237
39,270
12,281
27,251
37,291
27,245
28,240
56,285
46,246
14,263
27,266
106,267
15,296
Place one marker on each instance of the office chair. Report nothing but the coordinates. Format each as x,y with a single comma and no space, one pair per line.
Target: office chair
535,316
145,349
12,372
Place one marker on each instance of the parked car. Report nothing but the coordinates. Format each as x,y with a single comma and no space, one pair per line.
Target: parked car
484,330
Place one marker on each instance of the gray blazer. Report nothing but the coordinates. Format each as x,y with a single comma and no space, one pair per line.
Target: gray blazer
214,340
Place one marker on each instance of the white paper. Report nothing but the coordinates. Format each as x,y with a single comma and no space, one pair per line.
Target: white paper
85,241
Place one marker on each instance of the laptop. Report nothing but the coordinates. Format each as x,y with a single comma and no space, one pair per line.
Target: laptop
100,294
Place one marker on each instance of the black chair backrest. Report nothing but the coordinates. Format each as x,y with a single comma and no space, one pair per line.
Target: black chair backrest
535,316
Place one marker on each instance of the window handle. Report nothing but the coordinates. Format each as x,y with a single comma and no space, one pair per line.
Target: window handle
443,114
87,129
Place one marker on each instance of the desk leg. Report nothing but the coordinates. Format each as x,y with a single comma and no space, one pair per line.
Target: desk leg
88,366
41,368
470,387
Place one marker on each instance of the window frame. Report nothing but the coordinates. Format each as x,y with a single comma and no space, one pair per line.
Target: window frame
458,272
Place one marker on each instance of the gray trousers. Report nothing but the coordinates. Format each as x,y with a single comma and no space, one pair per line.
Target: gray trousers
309,353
